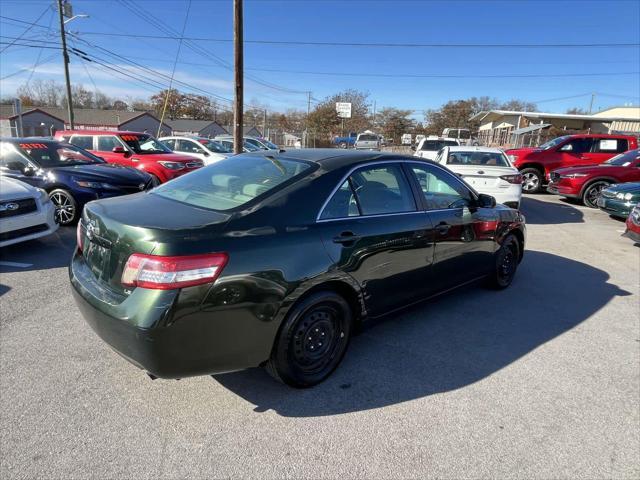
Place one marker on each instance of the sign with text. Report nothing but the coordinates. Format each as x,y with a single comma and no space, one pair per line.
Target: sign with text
343,109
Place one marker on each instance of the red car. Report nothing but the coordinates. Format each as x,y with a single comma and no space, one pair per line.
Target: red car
633,225
132,149
571,150
585,183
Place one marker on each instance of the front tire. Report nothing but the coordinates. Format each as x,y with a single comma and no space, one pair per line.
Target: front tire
66,207
342,145
592,192
312,341
532,180
507,259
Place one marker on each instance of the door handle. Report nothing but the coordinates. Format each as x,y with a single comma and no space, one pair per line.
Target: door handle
443,228
346,238
135,159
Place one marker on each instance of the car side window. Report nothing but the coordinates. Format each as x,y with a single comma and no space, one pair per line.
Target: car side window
189,147
12,160
440,189
169,143
578,145
82,141
107,143
375,190
611,145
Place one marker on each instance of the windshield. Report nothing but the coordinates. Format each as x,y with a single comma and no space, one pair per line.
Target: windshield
435,145
230,183
215,146
272,146
553,143
495,159
144,144
45,155
624,159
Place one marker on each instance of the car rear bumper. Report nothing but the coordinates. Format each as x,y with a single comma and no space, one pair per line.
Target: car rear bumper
615,207
635,236
28,227
168,333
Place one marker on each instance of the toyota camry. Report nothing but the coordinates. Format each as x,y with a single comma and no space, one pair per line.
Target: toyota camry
272,259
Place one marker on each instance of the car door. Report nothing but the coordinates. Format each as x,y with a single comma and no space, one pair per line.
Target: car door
191,148
463,233
105,146
373,229
577,151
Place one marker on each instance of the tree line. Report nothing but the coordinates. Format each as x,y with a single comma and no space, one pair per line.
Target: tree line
322,122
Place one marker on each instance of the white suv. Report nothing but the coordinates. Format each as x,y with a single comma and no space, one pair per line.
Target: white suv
209,151
429,147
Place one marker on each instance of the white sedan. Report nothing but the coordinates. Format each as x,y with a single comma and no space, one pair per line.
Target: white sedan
487,170
209,151
25,212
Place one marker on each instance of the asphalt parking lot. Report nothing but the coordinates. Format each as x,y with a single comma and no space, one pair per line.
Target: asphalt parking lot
539,381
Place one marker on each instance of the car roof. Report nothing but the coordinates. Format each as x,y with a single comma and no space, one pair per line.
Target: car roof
332,158
470,148
30,140
101,132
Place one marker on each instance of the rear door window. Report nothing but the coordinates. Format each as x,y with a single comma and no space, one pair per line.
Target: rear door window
611,145
82,141
379,190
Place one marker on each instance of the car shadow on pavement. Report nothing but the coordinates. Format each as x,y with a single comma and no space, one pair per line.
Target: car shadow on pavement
52,251
538,212
445,344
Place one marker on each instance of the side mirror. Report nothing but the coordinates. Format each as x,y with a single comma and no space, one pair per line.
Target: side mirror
29,171
206,154
119,150
486,201
413,147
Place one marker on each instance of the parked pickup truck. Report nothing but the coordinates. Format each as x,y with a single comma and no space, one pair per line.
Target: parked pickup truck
536,164
346,142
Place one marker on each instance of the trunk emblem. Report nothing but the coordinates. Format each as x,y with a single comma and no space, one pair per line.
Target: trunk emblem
141,186
92,229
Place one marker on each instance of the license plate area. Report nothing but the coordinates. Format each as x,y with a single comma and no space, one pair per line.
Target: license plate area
98,258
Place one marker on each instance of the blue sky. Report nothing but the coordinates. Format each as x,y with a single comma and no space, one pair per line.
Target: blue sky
451,22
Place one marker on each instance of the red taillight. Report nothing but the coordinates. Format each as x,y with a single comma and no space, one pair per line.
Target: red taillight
167,273
516,178
79,236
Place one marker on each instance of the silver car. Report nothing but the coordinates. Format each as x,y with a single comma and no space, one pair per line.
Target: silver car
367,141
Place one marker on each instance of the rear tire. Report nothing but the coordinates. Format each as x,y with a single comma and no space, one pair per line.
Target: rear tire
532,180
66,207
506,263
592,192
342,145
312,341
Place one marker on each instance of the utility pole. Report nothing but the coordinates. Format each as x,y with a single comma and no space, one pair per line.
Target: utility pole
264,124
374,115
306,126
593,97
65,58
239,72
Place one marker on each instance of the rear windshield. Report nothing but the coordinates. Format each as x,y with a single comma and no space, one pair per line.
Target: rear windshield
232,182
144,144
478,158
45,155
625,159
435,145
367,138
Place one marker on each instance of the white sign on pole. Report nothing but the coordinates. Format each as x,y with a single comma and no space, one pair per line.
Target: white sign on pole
343,109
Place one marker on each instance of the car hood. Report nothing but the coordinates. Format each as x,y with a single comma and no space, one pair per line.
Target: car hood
104,172
11,189
518,152
166,157
629,187
602,169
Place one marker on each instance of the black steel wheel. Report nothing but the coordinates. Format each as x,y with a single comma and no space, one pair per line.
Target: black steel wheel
507,259
592,192
342,145
532,180
66,208
312,341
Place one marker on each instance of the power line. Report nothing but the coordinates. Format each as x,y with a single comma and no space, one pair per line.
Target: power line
173,36
30,26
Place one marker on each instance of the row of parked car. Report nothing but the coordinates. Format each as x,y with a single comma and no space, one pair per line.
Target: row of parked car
46,182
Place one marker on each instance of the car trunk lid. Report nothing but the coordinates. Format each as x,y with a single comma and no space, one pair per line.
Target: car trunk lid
485,178
113,229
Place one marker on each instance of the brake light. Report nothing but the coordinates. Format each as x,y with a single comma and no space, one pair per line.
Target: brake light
168,273
79,236
515,179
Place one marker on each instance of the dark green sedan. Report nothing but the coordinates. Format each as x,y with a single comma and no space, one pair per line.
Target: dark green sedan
619,199
271,259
